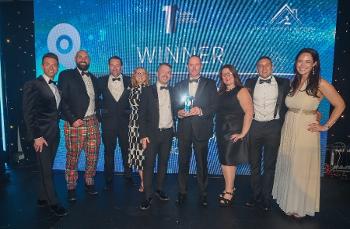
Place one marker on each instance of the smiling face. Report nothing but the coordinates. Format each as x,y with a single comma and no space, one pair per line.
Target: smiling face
50,67
140,76
115,67
82,60
305,64
194,66
164,74
227,78
264,67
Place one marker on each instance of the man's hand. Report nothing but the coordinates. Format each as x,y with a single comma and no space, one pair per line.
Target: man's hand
144,142
196,111
182,113
39,144
78,123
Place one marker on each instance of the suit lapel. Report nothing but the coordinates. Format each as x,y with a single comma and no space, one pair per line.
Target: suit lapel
201,84
47,90
79,78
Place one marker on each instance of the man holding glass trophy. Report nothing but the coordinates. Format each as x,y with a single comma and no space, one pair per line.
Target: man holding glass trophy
195,104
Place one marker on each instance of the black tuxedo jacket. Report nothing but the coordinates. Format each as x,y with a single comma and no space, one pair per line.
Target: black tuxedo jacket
114,114
149,111
206,99
40,111
283,90
75,100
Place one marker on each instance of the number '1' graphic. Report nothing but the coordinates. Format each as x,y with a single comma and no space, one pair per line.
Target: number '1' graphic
170,18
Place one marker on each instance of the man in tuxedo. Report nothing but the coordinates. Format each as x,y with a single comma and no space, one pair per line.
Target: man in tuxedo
79,108
194,127
268,93
115,118
156,132
41,101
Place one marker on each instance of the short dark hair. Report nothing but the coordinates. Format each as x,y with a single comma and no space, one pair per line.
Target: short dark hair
164,64
264,57
192,57
49,55
116,58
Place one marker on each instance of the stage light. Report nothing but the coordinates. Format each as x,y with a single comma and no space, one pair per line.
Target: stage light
2,111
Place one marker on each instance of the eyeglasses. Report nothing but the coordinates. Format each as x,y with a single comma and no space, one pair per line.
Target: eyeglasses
227,74
140,73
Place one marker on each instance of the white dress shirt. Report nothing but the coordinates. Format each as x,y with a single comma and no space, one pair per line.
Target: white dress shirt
54,90
165,114
265,99
91,93
116,87
192,88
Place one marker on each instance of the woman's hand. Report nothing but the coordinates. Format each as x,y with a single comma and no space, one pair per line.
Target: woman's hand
316,127
236,137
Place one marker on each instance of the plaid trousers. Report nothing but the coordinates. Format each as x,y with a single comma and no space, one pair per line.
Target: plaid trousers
87,138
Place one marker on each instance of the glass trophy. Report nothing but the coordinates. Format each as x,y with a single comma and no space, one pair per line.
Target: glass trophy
188,104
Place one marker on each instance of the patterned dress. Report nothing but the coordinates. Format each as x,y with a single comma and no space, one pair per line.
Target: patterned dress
135,155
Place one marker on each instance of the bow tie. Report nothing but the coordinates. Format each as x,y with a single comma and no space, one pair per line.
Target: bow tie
53,82
264,81
164,87
194,80
116,78
86,73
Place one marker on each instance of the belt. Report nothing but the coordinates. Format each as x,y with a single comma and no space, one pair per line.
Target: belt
307,112
164,129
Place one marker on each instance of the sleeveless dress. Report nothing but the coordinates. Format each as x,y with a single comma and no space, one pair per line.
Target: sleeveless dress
135,155
229,120
297,177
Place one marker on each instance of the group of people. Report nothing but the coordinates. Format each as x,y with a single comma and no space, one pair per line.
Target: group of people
269,119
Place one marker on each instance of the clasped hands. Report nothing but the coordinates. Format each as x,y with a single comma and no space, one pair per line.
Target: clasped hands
195,111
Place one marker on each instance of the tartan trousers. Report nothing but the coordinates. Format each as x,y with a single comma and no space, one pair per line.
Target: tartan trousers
87,138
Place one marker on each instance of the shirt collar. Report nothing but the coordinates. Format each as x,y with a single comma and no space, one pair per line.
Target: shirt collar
158,84
270,77
46,78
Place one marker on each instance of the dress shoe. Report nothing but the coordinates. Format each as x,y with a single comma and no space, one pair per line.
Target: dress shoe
204,201
146,204
90,189
58,210
72,197
41,203
181,198
161,195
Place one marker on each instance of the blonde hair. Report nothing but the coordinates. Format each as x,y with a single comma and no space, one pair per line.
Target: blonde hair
133,77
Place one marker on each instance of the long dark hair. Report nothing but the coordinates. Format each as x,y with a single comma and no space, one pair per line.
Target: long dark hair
234,72
314,76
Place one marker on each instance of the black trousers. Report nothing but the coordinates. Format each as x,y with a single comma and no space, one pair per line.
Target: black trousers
160,144
186,141
109,138
45,163
264,143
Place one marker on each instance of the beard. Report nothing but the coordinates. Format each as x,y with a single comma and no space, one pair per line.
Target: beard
83,67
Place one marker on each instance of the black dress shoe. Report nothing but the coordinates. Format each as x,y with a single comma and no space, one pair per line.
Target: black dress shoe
90,189
181,198
146,204
58,210
161,195
204,201
41,203
72,197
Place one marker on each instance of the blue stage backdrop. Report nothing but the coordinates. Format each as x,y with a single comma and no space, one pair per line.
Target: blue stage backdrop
147,32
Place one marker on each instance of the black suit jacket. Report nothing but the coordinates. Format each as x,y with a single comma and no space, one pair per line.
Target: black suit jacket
149,111
75,100
206,99
283,89
40,111
114,114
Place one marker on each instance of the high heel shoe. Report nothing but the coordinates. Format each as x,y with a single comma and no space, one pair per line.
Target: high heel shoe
224,192
224,202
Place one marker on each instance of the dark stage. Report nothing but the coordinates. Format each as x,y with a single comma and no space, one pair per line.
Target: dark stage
119,208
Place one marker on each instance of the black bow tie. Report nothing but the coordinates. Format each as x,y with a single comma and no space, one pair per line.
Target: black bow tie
194,80
264,81
116,78
164,87
86,73
53,82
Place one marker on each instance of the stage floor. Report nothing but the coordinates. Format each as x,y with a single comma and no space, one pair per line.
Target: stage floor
119,208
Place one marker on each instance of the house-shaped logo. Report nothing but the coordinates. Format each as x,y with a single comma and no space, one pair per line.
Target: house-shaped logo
286,16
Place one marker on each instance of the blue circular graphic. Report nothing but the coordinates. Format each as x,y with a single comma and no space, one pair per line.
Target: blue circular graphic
64,38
